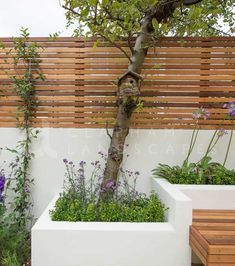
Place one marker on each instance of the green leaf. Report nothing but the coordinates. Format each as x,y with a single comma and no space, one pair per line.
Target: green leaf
2,45
157,66
155,24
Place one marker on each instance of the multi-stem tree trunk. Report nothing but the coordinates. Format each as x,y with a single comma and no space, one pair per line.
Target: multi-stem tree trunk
127,104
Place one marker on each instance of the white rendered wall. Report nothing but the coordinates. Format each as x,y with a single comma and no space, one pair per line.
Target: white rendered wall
217,197
147,148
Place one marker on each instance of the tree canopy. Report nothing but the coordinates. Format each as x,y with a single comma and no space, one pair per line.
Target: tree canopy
111,19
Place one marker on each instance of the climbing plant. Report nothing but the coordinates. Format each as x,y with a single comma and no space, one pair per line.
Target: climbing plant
26,62
17,216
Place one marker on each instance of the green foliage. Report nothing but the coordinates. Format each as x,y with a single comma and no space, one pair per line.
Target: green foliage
109,19
19,181
142,209
10,259
204,172
54,36
15,216
81,201
26,54
14,243
114,19
14,240
208,18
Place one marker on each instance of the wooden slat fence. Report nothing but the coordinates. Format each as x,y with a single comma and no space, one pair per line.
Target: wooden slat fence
79,90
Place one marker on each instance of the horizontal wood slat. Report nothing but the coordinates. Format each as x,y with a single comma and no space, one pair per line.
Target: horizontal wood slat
179,77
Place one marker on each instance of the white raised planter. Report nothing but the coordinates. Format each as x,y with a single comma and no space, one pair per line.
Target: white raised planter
210,196
117,244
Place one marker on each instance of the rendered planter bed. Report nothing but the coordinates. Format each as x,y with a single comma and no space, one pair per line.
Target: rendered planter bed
210,196
117,244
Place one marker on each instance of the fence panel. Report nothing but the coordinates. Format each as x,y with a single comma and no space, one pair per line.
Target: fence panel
79,90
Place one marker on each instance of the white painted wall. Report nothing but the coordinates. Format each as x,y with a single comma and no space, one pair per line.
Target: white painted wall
217,197
147,148
42,17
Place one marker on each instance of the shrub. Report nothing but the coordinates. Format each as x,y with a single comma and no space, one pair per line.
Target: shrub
80,200
143,209
205,172
14,240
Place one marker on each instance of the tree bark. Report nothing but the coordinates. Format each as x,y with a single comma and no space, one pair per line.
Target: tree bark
126,105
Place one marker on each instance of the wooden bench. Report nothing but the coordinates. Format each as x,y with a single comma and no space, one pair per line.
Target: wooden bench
212,237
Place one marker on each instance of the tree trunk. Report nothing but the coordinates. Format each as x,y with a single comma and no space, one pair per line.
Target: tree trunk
127,103
126,106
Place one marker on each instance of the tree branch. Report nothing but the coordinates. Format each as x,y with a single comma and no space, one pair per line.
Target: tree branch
219,31
116,45
191,2
71,10
107,130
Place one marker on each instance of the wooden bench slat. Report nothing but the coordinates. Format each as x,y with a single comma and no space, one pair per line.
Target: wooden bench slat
221,258
215,220
215,233
220,240
212,236
198,249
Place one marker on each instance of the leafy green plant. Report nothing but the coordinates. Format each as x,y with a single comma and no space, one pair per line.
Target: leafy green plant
9,259
80,199
14,244
16,217
25,53
142,209
204,171
14,241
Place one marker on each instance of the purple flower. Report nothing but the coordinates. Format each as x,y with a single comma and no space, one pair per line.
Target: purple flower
201,113
65,161
232,113
82,163
222,132
70,162
2,184
137,173
231,108
111,185
2,180
103,190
